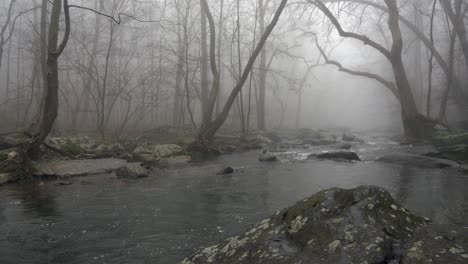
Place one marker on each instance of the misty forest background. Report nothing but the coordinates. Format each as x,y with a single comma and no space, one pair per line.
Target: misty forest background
128,66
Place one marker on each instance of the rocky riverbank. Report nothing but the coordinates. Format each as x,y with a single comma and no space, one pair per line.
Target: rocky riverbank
85,154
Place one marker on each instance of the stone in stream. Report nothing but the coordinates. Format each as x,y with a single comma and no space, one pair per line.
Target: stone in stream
336,155
226,170
78,167
268,157
360,225
416,160
132,170
4,178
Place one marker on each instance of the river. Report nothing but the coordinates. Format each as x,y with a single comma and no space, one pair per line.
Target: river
163,218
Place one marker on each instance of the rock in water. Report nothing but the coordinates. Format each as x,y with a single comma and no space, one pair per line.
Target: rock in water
360,225
132,170
227,170
338,155
415,160
268,157
4,178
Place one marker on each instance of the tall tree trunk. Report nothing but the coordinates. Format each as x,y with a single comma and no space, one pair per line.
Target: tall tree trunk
451,61
49,111
178,93
203,63
431,57
413,123
262,72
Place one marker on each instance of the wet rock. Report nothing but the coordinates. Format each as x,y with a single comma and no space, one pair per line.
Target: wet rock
63,183
360,225
458,153
444,138
11,167
351,138
416,160
267,157
78,167
438,244
338,155
4,178
227,170
132,170
259,139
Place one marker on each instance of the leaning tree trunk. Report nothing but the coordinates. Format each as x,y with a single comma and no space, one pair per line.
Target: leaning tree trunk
414,123
49,111
209,129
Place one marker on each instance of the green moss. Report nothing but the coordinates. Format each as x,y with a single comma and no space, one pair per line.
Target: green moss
454,137
72,148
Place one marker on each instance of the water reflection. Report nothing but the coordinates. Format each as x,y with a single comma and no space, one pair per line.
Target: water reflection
36,198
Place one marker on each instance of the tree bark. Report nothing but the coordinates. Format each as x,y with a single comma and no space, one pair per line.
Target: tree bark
49,111
204,62
262,72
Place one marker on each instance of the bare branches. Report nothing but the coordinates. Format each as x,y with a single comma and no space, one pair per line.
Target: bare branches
118,19
386,83
347,34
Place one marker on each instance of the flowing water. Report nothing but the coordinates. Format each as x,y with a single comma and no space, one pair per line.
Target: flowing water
162,218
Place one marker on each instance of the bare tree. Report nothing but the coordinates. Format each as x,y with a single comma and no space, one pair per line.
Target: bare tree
209,127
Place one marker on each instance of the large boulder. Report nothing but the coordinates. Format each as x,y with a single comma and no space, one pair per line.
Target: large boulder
415,160
438,244
337,155
351,138
360,225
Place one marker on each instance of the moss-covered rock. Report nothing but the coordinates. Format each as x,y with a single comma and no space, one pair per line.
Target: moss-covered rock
14,170
453,137
156,153
360,225
438,244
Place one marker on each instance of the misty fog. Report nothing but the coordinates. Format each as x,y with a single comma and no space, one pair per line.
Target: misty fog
207,116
